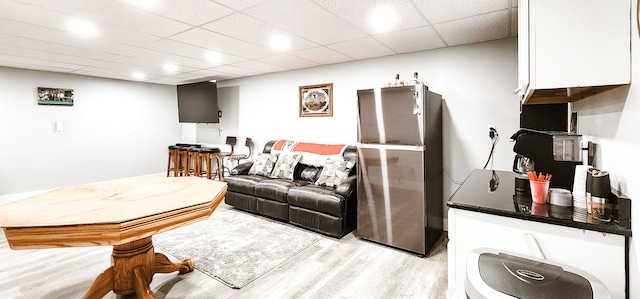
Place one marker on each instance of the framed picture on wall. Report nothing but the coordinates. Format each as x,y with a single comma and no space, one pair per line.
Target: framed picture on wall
55,96
316,100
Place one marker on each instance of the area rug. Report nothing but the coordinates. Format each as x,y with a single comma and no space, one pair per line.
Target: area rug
235,247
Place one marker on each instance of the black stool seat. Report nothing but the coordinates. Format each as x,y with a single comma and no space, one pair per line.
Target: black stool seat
210,150
205,155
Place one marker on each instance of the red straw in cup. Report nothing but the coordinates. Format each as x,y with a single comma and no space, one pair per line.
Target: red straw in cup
539,186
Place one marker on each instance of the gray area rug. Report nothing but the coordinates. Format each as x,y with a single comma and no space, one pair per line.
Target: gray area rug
235,247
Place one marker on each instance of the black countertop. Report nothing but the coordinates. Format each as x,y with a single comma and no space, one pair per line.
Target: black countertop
493,192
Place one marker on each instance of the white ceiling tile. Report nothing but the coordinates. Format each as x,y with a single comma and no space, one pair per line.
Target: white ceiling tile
217,42
152,62
116,14
183,63
193,12
476,29
438,11
412,40
49,47
8,61
54,57
306,19
260,66
240,5
362,48
177,48
358,12
33,34
322,55
252,30
35,62
231,69
211,73
54,36
288,61
113,74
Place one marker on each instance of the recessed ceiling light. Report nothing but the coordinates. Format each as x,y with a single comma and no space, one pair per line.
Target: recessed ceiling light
170,67
215,57
138,75
82,27
279,42
382,19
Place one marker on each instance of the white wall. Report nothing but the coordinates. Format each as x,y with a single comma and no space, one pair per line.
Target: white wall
611,120
115,129
476,82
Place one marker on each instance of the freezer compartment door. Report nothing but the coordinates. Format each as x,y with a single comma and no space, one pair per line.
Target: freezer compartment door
392,115
391,197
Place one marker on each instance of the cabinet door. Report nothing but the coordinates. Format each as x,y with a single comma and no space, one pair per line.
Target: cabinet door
580,42
523,47
572,48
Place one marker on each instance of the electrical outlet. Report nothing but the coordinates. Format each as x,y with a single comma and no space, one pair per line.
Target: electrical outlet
492,131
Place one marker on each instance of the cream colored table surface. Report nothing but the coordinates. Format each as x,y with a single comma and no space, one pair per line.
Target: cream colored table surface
110,212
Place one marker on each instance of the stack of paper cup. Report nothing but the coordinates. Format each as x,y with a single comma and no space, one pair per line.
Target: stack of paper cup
580,186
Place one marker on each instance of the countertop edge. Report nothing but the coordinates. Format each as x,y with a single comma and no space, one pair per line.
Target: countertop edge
608,228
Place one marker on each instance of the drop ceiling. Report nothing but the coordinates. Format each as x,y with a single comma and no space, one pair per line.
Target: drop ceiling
142,36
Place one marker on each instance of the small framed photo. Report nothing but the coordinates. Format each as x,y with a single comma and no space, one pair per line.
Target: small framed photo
316,100
55,96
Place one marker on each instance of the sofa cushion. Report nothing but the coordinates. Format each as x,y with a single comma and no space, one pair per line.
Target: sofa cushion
285,166
334,172
243,183
263,165
275,189
316,221
316,198
272,208
242,201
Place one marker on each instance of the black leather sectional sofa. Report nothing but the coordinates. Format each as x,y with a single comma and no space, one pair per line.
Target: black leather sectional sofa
300,201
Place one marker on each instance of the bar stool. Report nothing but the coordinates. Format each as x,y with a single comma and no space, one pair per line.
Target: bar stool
231,140
172,160
181,157
237,157
204,160
192,165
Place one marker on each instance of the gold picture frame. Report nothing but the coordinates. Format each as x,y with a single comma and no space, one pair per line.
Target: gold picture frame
316,100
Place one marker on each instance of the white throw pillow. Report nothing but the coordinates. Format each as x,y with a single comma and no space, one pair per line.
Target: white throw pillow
285,166
334,172
263,165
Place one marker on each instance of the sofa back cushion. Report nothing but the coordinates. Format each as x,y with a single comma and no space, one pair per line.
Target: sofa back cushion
307,173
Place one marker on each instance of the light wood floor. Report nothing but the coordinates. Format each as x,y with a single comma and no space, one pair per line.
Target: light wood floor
331,268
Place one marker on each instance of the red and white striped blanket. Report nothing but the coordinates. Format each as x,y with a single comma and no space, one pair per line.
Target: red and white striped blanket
314,154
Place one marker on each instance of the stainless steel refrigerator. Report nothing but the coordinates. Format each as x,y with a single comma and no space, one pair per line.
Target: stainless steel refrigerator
400,167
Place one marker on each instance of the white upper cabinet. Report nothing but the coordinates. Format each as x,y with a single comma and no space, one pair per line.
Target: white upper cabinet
571,49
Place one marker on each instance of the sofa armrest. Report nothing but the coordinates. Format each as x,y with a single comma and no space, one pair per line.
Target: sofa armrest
347,187
242,168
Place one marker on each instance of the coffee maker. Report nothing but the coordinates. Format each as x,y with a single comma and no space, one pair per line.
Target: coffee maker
547,143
